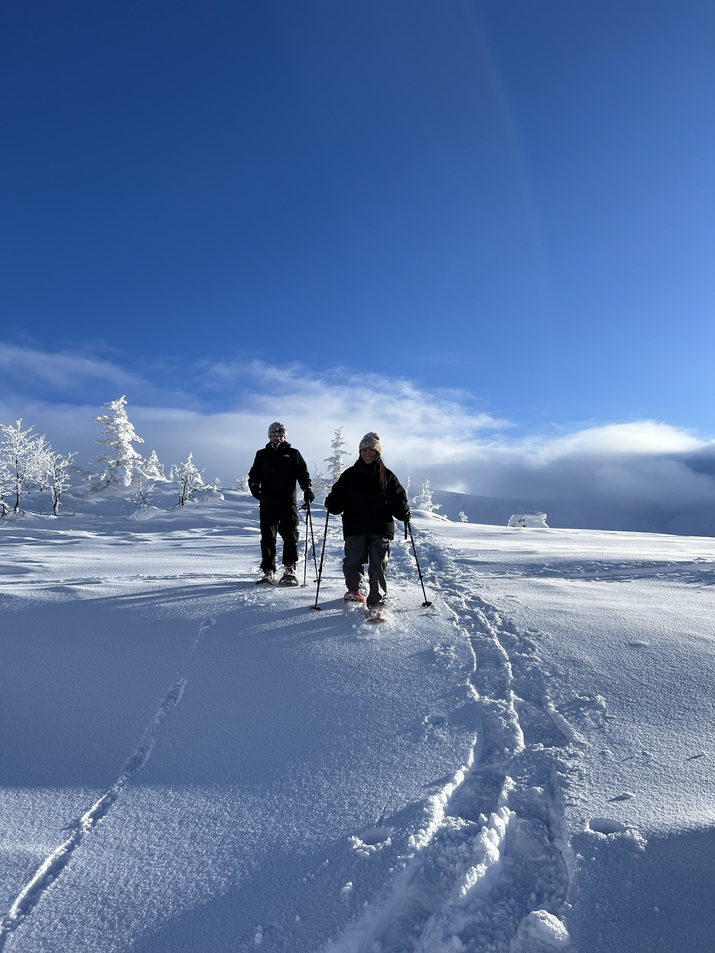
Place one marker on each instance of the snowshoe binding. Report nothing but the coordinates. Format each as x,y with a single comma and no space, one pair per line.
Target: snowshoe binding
266,579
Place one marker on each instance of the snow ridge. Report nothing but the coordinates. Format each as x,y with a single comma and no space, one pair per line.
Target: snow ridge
53,865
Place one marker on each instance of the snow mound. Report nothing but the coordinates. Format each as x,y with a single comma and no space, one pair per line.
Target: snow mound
540,932
528,519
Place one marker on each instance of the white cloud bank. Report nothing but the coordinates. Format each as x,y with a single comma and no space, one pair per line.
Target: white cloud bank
636,466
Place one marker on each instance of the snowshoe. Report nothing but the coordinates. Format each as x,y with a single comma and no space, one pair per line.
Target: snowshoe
266,579
376,614
288,578
352,595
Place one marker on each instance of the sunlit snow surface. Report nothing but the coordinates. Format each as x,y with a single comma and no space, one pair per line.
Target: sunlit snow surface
192,763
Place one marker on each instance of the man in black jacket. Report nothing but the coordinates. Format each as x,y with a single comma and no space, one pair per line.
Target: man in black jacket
370,497
272,480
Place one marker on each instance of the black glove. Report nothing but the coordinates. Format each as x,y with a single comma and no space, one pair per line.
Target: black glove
255,491
308,495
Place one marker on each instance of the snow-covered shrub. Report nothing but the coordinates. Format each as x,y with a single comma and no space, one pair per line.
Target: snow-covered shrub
190,481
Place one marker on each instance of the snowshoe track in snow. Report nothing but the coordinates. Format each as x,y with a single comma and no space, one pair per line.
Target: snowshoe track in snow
497,851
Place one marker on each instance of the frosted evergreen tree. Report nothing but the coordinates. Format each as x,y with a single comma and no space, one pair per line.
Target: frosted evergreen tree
152,469
463,518
423,500
121,461
335,460
242,484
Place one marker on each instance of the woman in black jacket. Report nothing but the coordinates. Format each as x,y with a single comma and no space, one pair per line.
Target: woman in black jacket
370,498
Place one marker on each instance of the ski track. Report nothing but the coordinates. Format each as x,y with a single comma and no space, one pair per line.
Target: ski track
53,865
497,852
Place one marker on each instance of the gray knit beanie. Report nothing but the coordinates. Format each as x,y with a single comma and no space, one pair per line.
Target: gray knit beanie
371,441
277,429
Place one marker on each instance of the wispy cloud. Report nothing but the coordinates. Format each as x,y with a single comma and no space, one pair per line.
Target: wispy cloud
220,412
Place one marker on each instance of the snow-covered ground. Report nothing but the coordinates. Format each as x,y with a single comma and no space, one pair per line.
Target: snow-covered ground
192,763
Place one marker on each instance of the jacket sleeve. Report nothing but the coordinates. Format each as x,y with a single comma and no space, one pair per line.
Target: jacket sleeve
337,498
397,498
254,475
302,474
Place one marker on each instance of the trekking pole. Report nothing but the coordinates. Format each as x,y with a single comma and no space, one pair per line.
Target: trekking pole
322,554
315,554
408,525
306,507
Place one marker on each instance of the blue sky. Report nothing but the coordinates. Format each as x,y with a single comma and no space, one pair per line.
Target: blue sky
503,209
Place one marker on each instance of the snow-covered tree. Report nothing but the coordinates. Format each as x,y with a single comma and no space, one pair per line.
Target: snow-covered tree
56,477
242,484
463,518
423,500
121,460
189,479
335,460
4,487
152,469
22,453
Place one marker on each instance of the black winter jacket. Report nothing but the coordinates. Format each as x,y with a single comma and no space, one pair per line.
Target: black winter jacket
275,471
365,507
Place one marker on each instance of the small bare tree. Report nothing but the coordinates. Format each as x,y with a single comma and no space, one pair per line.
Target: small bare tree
22,454
56,477
4,486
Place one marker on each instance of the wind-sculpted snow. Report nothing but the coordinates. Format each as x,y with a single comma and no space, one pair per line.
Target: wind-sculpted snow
197,765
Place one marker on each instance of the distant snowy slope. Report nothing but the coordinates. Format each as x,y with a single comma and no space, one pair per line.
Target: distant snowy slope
586,513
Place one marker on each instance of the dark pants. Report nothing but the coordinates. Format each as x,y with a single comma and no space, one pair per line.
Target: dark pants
375,551
278,519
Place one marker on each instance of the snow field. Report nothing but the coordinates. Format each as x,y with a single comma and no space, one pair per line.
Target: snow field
196,764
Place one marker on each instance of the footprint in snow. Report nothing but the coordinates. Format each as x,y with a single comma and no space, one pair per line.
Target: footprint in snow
371,840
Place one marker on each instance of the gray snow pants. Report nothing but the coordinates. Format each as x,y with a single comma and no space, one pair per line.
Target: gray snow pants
375,551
